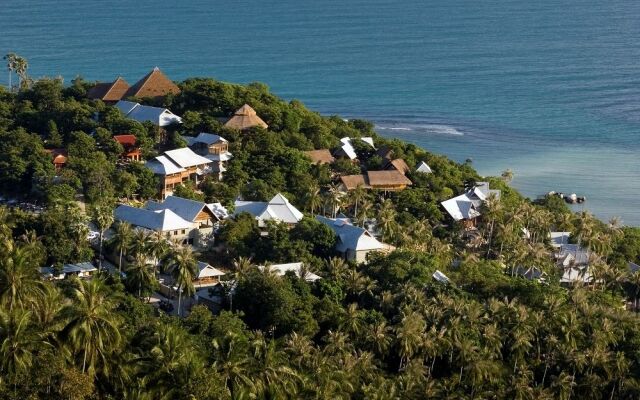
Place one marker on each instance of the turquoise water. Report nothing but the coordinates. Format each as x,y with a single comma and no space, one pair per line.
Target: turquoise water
550,89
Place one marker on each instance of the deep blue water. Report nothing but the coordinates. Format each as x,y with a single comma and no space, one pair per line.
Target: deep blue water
548,88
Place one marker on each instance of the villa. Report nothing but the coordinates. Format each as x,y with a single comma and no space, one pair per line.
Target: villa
109,92
278,209
81,270
245,118
182,220
161,117
153,85
213,147
174,167
424,168
346,149
466,207
59,158
131,150
572,259
297,268
354,243
322,156
397,165
388,181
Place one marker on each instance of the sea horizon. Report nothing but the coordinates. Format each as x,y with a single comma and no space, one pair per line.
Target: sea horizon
548,90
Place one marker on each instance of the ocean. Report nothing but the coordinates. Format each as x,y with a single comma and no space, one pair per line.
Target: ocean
549,89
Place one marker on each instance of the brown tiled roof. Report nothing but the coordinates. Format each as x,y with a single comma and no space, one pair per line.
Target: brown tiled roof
59,155
351,182
387,178
154,84
399,165
245,118
113,91
126,140
320,156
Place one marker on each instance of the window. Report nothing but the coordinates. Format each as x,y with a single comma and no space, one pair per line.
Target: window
184,231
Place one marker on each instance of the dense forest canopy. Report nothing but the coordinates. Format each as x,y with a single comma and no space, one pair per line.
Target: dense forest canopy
384,329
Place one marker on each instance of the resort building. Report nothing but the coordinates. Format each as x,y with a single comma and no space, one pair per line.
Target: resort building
278,209
245,118
297,268
397,165
466,207
353,242
388,181
207,275
182,220
109,92
160,117
573,260
174,167
346,149
81,270
131,150
424,168
213,147
322,156
59,158
153,85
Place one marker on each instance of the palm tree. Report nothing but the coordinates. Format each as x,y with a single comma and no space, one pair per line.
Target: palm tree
21,66
365,210
507,175
334,197
103,215
140,274
183,267
387,219
492,210
409,337
357,195
140,242
313,200
242,266
20,281
18,342
92,328
122,239
158,247
11,66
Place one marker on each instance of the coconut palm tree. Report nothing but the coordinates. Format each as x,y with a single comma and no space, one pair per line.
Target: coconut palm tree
122,238
140,242
92,329
20,281
409,337
387,220
140,274
365,211
183,267
357,196
11,66
507,175
18,343
103,215
313,200
242,266
158,247
21,66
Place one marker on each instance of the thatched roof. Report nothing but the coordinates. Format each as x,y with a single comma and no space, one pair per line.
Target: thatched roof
245,118
385,152
110,91
351,182
387,178
320,156
154,84
399,165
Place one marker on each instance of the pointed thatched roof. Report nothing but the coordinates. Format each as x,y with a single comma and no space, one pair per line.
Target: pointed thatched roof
109,91
399,165
154,84
383,179
245,118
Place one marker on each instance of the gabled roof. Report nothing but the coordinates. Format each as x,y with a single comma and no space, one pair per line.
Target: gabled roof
206,138
245,118
141,113
296,268
110,91
277,209
219,210
155,220
154,84
322,156
185,157
385,152
467,205
351,237
399,165
162,165
347,148
207,271
424,168
187,209
387,178
351,182
126,140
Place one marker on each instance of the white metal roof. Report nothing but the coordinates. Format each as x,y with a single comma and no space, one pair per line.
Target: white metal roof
187,209
282,269
185,157
424,168
277,209
162,165
351,237
206,271
155,220
141,113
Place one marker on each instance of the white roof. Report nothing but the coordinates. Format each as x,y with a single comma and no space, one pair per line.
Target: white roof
467,205
187,209
281,269
206,138
576,274
424,168
440,277
219,210
162,165
277,209
141,113
185,157
351,237
368,140
348,149
206,271
226,156
558,239
155,220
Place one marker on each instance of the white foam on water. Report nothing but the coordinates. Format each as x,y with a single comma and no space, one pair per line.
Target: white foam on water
437,129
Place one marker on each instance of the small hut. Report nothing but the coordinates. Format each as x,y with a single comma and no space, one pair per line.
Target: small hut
110,92
245,118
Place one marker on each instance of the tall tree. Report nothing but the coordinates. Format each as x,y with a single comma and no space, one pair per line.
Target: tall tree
184,268
122,238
